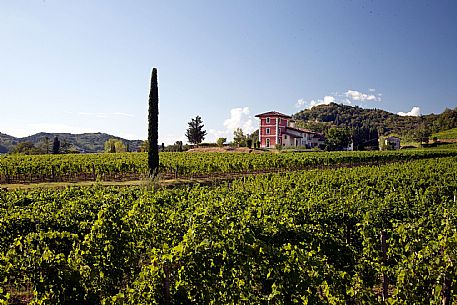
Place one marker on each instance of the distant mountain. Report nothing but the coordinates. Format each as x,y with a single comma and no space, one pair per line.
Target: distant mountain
86,142
322,116
6,142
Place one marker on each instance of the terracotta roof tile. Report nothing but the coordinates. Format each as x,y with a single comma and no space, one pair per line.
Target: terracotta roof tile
273,113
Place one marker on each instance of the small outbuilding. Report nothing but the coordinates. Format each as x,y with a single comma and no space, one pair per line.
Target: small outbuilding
392,143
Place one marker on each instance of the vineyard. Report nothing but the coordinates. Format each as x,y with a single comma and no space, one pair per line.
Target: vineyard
130,166
362,235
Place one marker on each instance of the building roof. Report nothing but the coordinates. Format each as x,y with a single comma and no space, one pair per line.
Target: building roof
291,134
303,130
393,139
274,113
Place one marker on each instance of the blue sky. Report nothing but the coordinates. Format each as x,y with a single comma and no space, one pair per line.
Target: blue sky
84,66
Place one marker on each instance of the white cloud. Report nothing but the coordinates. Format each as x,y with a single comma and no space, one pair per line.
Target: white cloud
239,118
362,97
326,100
415,111
350,97
300,103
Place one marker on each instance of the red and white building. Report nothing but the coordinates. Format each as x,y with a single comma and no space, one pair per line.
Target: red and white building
277,128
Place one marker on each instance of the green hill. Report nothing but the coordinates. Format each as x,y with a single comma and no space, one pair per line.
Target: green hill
323,116
86,142
445,135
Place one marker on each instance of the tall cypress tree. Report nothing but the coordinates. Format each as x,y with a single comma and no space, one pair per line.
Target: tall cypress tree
56,145
153,127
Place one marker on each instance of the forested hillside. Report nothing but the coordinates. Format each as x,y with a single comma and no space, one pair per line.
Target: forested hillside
321,117
86,142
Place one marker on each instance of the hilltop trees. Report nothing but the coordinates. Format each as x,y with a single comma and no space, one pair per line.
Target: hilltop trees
195,133
153,127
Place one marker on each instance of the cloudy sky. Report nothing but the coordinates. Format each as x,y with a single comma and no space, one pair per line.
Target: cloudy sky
84,66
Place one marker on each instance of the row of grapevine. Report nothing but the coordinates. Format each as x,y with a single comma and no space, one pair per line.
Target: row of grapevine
43,168
364,235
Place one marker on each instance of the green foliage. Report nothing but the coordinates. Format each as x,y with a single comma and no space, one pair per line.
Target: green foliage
26,148
365,138
421,134
20,168
56,146
322,117
144,147
220,142
86,142
41,259
337,138
195,133
448,134
239,138
254,136
153,126
45,145
308,237
115,146
249,143
177,147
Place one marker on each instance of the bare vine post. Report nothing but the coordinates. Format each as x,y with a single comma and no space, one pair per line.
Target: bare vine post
153,126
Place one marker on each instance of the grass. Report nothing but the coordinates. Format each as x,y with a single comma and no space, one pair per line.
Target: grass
448,134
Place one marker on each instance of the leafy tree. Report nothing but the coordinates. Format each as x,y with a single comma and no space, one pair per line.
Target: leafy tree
65,147
178,146
421,134
56,146
220,142
195,133
239,137
153,127
249,142
254,137
26,148
337,138
365,138
115,146
44,145
144,147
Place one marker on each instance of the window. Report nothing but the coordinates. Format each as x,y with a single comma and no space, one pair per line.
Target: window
285,137
268,143
268,120
267,130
